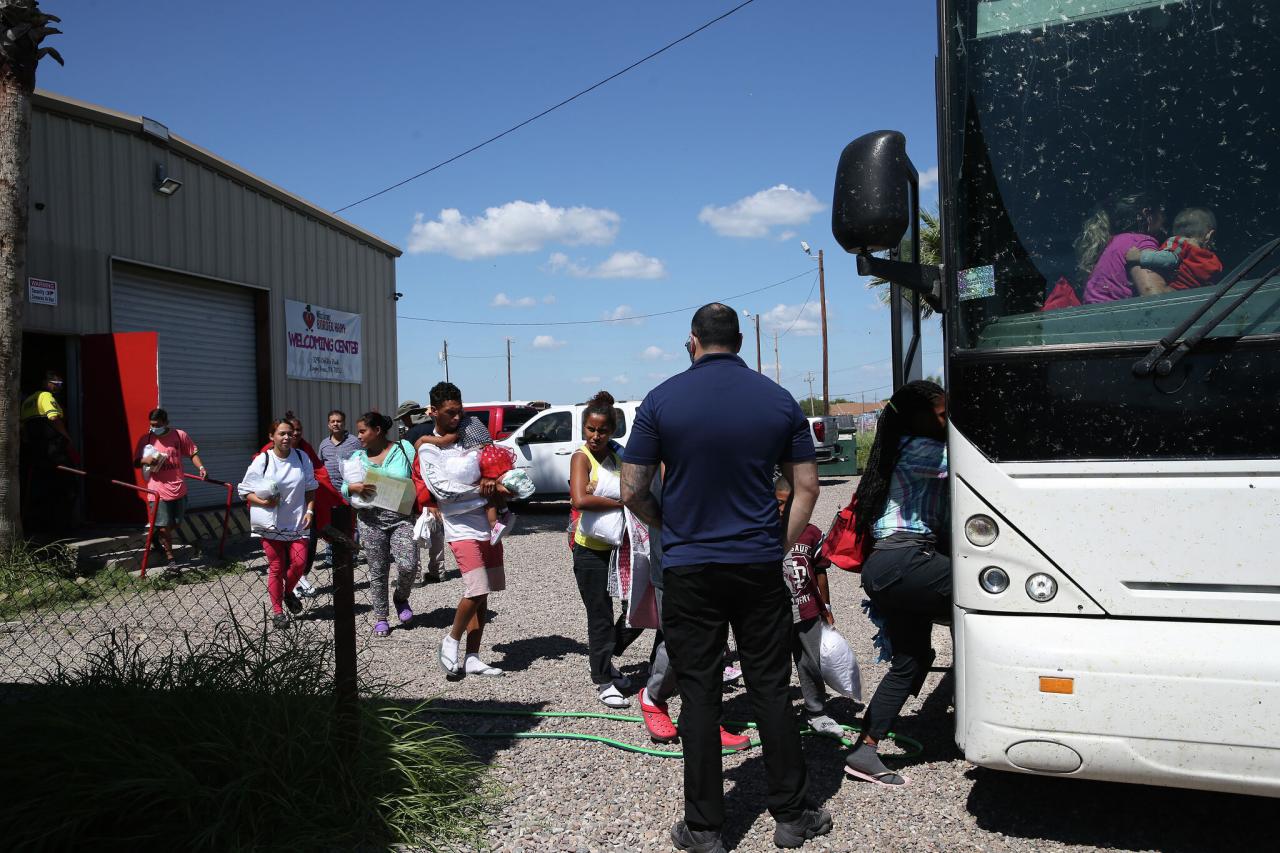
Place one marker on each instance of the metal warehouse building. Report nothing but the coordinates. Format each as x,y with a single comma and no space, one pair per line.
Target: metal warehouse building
161,274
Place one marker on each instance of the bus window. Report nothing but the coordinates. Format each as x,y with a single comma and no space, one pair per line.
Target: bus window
1113,160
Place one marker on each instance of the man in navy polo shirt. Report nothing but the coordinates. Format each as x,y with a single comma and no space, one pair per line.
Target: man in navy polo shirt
719,429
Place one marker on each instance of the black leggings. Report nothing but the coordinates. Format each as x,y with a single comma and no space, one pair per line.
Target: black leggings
911,589
606,636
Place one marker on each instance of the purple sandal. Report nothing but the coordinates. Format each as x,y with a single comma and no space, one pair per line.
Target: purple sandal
381,629
403,611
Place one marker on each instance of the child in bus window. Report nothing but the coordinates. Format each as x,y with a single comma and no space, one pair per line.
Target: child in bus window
1127,221
1186,259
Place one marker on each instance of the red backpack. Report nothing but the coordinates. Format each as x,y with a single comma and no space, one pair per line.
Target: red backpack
843,547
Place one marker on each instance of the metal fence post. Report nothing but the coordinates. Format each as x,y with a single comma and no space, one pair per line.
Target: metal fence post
346,688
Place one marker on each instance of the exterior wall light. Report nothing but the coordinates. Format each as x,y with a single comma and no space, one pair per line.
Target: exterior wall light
164,184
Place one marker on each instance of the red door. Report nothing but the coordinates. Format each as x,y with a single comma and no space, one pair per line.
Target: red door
121,386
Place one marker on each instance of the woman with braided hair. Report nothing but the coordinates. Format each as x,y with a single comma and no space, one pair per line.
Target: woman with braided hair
902,504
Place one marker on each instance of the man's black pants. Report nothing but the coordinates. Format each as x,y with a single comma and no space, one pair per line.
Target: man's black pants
698,606
911,588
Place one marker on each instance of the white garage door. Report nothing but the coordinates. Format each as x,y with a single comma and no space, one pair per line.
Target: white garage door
208,377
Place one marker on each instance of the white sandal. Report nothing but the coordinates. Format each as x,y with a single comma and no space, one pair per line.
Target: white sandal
611,697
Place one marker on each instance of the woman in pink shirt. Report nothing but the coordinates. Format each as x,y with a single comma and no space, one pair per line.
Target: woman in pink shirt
160,453
1128,221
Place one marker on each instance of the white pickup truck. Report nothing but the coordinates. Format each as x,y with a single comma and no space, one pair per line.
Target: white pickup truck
825,431
544,444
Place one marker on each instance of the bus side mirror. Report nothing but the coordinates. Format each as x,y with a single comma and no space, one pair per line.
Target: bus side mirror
876,204
871,210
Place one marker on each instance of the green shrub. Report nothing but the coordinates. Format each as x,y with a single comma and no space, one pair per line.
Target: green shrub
229,744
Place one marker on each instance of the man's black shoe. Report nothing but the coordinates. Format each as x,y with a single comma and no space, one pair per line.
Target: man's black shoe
810,824
701,840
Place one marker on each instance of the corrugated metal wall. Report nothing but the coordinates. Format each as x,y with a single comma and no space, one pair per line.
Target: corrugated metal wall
92,199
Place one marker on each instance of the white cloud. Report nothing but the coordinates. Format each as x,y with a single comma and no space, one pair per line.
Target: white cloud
622,311
589,380
786,235
621,379
617,265
501,300
547,342
658,377
781,317
756,215
929,178
549,299
655,353
513,228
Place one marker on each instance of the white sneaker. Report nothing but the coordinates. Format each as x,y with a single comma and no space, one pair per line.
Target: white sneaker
475,666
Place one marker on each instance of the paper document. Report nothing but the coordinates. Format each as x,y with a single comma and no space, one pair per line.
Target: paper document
393,493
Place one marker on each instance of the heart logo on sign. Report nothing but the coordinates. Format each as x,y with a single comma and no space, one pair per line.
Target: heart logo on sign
308,317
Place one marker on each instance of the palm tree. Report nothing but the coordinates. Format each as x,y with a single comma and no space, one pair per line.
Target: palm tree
930,254
22,29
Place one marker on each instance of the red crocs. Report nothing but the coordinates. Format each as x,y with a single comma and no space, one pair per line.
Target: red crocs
657,721
732,742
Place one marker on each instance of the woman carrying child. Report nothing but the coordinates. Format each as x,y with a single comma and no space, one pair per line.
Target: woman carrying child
902,505
594,492
385,534
280,488
1128,221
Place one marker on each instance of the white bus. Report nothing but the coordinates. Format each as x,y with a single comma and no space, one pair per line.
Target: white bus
1115,437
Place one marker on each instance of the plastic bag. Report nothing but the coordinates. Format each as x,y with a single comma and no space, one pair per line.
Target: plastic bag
422,529
606,526
518,484
840,665
461,466
353,472
607,485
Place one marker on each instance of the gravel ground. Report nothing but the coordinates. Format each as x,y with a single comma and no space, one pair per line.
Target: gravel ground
576,796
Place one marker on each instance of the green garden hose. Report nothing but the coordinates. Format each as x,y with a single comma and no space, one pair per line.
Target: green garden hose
913,747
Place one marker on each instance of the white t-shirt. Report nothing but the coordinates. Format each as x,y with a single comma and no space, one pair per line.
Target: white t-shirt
294,477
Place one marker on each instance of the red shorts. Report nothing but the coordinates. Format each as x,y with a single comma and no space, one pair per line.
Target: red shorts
481,567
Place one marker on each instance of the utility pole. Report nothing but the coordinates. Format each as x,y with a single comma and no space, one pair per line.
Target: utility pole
445,357
822,295
759,365
808,377
509,369
777,364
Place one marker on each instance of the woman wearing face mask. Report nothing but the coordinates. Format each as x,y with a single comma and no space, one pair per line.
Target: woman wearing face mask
280,488
161,451
903,507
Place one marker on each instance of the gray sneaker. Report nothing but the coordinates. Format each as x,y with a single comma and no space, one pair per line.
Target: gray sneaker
810,824
825,726
696,840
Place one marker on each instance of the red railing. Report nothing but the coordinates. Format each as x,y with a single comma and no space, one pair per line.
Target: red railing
150,496
226,513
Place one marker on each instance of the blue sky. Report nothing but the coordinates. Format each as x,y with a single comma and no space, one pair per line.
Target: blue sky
692,178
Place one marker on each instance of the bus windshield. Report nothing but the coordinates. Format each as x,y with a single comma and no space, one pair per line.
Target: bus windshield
1112,161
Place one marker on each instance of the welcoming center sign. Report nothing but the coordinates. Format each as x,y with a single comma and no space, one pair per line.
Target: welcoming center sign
322,343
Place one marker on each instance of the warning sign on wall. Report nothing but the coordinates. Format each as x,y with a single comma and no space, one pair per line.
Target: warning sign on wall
42,291
321,343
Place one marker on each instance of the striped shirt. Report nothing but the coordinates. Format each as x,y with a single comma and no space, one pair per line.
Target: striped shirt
917,502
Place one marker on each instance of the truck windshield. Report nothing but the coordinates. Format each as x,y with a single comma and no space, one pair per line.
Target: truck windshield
1112,159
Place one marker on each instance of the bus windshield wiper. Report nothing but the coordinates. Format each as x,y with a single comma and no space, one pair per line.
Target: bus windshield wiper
1172,347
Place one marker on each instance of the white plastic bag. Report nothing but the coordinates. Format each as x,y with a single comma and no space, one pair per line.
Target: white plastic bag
422,529
461,465
839,665
607,526
353,472
608,484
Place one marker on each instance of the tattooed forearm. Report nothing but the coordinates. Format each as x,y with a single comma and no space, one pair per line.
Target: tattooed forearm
636,494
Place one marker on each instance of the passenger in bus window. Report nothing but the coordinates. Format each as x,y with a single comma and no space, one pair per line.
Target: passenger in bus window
1186,259
1127,221
902,506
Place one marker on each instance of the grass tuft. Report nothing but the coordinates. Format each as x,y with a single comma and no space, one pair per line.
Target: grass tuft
232,743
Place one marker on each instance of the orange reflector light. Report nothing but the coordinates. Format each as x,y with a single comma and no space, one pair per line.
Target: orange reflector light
1057,685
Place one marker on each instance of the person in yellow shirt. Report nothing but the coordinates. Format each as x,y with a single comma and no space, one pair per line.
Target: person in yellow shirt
46,444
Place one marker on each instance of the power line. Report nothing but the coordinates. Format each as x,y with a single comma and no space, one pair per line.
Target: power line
548,110
626,319
802,307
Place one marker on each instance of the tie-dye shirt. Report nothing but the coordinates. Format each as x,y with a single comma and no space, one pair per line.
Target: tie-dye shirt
917,502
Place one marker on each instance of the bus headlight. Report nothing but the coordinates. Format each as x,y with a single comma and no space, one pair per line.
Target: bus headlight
993,579
981,530
1041,587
